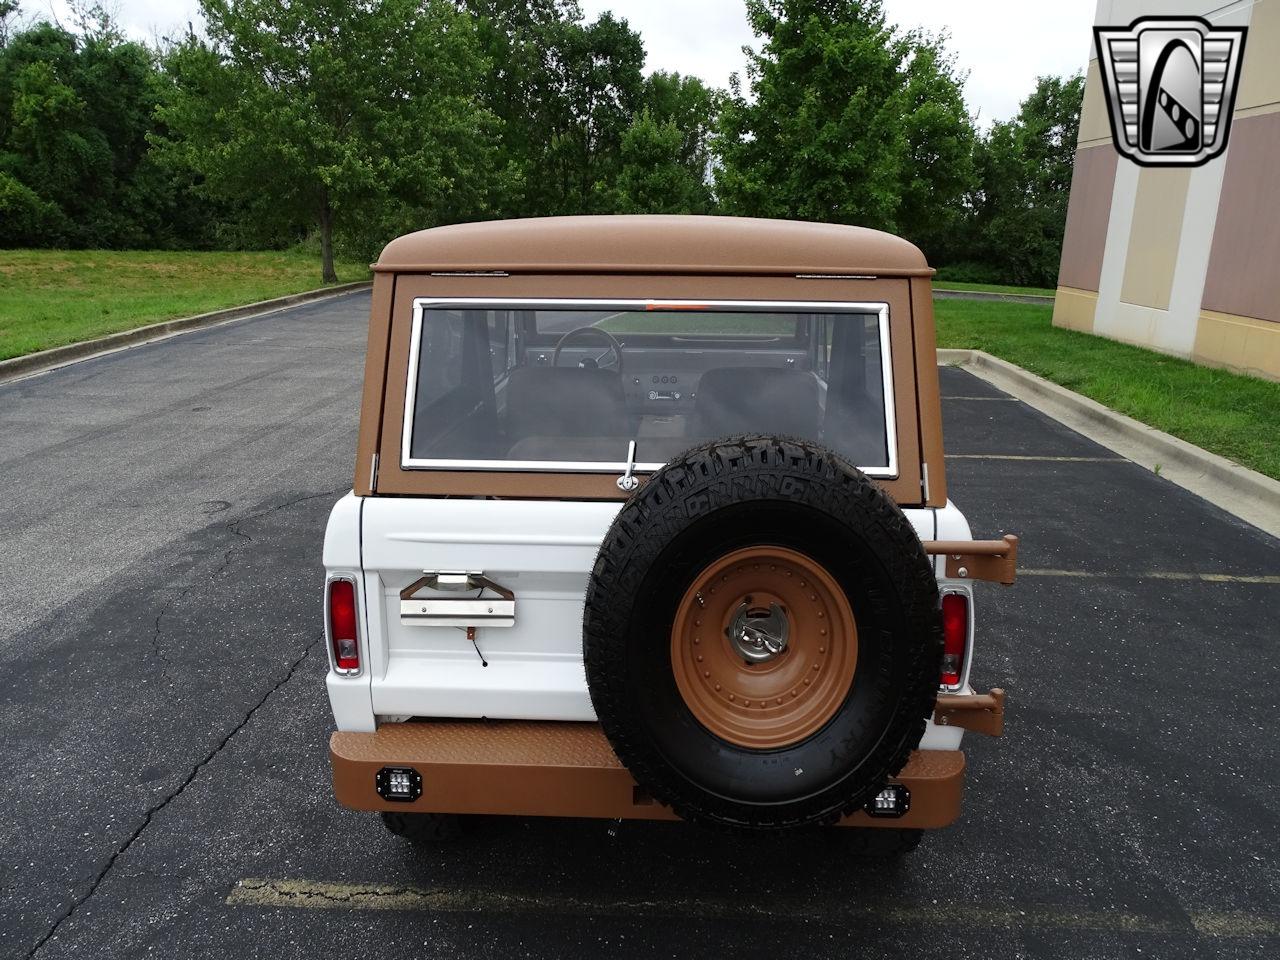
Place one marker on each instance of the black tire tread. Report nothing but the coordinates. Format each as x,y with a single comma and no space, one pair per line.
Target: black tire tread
423,827
628,549
879,843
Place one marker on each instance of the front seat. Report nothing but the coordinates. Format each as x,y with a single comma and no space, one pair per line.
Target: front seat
553,413
775,400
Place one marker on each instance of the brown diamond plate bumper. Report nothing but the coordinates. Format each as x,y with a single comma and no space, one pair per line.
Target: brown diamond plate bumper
562,769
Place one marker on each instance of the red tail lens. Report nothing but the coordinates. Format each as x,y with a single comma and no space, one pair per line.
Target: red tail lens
955,636
342,625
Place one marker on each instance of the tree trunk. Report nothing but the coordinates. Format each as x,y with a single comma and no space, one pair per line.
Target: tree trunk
328,274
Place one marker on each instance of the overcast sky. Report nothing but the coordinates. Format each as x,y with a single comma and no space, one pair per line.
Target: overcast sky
1003,44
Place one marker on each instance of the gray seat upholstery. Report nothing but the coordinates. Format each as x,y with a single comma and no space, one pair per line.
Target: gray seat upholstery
774,400
564,402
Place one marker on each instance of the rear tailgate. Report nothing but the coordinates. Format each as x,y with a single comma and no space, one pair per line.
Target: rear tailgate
541,550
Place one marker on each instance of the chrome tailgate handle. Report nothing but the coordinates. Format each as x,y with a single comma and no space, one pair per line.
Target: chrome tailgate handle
471,611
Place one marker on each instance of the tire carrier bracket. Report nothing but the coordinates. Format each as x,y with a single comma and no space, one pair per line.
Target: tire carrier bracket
994,560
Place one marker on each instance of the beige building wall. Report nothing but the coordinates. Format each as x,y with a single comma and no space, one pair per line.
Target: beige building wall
1185,261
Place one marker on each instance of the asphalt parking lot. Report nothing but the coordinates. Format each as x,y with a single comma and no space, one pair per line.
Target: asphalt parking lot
163,724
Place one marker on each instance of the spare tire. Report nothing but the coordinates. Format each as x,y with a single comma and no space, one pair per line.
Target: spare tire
762,635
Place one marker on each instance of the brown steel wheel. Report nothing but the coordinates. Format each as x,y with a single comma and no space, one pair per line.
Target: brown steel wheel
762,635
746,685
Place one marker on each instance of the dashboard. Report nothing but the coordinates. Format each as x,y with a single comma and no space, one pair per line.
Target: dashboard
664,382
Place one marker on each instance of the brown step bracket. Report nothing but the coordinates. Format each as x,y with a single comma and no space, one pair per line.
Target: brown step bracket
981,713
994,560
553,768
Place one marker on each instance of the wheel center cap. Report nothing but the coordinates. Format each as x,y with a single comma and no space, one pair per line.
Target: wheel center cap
758,634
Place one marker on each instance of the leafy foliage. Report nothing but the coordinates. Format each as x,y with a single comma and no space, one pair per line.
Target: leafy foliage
655,177
566,92
353,122
75,110
691,107
848,120
1023,179
355,114
940,144
666,152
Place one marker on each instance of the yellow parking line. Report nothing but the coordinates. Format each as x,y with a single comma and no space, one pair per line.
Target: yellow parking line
1154,575
1214,577
1020,456
321,895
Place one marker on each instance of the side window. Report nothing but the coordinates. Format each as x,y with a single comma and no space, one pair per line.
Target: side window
822,346
440,366
500,330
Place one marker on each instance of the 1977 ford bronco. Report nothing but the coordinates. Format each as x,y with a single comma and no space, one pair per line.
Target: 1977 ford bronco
650,520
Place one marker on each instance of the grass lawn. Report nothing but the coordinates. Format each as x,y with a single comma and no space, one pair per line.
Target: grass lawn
992,288
1232,415
52,297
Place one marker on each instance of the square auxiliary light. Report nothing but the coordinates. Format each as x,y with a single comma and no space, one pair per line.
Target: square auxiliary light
893,801
400,784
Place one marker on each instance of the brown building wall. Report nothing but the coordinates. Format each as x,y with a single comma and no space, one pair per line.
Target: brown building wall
1192,256
1088,212
1244,262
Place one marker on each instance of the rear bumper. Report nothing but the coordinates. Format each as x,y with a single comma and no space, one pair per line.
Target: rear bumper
562,769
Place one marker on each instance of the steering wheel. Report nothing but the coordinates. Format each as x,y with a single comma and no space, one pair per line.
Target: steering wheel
592,363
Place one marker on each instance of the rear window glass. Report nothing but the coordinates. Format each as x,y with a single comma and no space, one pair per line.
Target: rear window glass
567,387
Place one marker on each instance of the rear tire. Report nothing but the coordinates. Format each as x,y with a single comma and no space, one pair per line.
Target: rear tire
726,739
879,843
424,827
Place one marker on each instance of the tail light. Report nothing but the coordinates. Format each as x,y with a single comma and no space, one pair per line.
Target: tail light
343,637
955,637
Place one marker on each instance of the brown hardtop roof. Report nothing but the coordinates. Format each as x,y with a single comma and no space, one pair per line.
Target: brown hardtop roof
654,244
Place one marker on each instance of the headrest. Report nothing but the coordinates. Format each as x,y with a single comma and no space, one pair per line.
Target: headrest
564,402
733,400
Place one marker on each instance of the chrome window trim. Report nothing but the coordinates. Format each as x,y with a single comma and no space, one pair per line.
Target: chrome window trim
422,304
361,645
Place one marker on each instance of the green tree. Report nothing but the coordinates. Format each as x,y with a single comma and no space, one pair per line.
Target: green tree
9,10
566,92
75,108
655,176
600,66
521,39
692,108
849,120
1024,167
358,117
938,173
26,220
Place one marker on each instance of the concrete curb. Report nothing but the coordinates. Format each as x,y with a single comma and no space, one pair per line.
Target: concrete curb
1247,494
944,294
33,363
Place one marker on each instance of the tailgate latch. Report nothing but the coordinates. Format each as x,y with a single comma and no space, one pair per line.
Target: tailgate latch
474,610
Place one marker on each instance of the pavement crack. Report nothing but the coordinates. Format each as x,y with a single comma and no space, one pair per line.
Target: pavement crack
155,808
233,527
